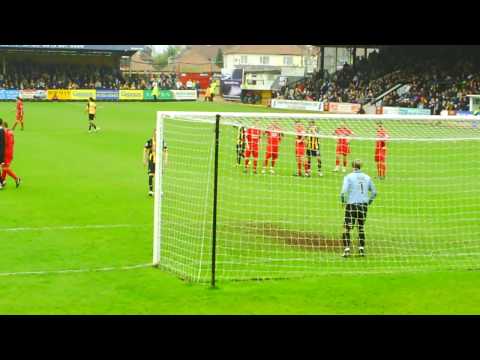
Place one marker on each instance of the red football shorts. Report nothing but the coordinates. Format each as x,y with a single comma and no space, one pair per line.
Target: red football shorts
252,150
380,155
300,150
342,149
19,118
272,152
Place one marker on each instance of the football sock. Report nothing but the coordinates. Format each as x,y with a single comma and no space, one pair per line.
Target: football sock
344,162
299,167
11,174
255,161
246,163
150,182
273,163
319,165
361,236
337,162
346,239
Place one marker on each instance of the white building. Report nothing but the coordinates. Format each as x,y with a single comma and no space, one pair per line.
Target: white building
263,65
290,58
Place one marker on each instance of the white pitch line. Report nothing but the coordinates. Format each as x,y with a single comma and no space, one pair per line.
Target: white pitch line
72,227
58,272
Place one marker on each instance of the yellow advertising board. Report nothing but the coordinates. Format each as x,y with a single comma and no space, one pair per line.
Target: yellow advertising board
131,95
59,94
84,94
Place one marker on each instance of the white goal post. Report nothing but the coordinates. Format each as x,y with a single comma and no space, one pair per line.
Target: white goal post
272,223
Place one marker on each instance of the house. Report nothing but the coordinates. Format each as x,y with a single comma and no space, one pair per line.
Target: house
287,59
195,59
139,63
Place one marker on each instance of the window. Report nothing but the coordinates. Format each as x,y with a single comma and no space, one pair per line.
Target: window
244,59
264,60
288,60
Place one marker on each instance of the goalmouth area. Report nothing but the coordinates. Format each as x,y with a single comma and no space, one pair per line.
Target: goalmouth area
245,226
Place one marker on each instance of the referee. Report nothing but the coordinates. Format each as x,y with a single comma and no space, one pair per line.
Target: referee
355,194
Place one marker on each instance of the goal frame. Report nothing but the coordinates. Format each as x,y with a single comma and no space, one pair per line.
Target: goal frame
214,119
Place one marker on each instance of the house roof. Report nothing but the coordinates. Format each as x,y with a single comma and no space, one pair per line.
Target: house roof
140,62
266,49
195,58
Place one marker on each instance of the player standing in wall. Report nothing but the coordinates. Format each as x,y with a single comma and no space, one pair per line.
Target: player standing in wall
355,194
343,146
20,113
92,115
274,137
300,148
313,148
381,151
241,143
253,140
9,144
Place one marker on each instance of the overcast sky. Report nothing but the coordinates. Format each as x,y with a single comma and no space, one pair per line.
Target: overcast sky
159,48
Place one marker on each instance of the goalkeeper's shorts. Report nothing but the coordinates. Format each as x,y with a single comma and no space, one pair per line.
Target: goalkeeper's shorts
355,213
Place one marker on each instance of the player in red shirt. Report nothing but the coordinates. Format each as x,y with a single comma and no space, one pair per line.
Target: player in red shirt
19,118
343,146
274,137
381,151
253,140
8,158
300,148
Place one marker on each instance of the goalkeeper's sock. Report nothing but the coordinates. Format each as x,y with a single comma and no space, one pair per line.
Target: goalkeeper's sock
346,239
361,237
150,182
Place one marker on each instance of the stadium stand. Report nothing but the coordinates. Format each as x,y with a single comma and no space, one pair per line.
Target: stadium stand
437,79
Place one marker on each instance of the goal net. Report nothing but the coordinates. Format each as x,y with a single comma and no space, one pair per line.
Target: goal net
288,220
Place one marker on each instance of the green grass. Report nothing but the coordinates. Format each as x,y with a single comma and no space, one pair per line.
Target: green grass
83,205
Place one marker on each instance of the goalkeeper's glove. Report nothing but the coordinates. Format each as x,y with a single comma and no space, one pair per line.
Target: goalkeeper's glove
370,202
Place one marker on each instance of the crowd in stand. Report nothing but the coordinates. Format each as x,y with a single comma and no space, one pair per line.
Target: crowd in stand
45,76
436,84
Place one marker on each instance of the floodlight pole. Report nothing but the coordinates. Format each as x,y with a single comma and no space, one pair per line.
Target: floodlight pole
215,195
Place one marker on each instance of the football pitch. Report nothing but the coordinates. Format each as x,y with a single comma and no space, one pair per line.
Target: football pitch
83,216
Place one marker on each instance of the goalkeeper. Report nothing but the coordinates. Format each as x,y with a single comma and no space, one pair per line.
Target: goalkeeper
356,187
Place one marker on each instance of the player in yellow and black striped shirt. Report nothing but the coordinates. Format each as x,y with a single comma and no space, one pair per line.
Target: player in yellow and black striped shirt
241,143
92,115
313,148
149,157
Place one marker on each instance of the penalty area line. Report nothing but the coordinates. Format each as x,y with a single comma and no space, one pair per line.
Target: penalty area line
73,227
76,271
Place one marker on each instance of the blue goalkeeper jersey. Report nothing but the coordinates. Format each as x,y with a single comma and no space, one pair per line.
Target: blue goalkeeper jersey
356,188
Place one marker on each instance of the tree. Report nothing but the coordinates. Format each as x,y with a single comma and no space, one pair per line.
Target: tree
219,58
170,52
